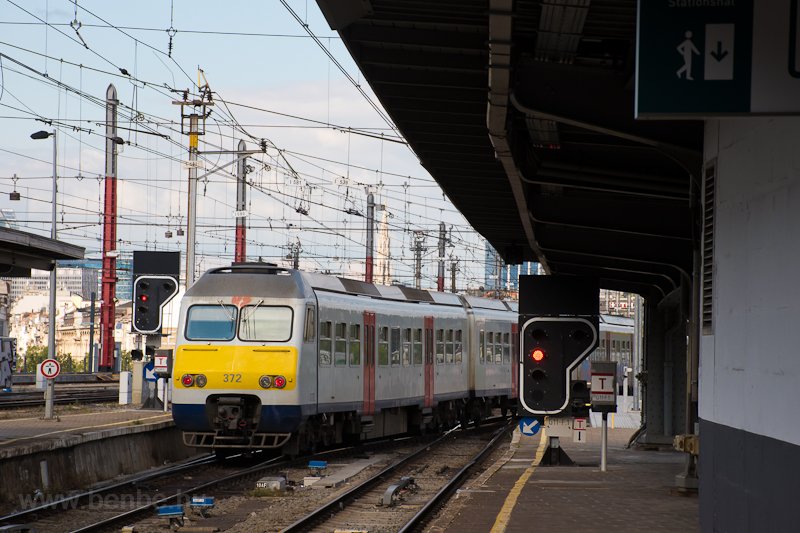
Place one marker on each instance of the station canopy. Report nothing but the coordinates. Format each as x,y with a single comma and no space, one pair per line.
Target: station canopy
523,112
21,251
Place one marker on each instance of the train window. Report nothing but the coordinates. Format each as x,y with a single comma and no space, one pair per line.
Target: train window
406,347
310,332
458,344
214,322
266,323
325,342
395,346
440,346
355,344
506,348
448,354
418,346
340,345
498,348
383,346
482,346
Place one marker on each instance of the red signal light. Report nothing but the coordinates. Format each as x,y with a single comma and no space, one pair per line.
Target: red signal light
537,355
143,298
279,382
187,380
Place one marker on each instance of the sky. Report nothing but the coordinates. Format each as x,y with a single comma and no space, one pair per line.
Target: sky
327,147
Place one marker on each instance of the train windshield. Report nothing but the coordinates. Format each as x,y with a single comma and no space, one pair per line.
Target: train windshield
265,323
216,322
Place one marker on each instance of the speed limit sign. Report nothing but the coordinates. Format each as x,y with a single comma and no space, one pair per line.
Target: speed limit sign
50,368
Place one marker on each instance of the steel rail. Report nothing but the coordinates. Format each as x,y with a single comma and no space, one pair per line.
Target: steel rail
65,503
270,463
340,501
446,491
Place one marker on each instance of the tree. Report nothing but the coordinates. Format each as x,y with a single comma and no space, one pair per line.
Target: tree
33,356
66,361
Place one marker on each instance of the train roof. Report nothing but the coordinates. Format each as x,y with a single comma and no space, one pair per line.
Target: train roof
269,280
387,292
256,280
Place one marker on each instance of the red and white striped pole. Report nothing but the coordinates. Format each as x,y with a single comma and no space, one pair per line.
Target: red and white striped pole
109,277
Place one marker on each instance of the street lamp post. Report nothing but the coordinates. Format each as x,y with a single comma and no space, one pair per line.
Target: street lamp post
51,323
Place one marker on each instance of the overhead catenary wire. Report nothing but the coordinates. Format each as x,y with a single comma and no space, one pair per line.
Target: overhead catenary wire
154,151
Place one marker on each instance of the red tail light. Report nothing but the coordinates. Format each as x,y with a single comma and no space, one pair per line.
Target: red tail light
279,382
187,380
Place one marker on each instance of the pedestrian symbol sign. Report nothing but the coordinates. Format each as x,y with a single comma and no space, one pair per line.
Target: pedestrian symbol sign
694,60
697,59
529,426
50,368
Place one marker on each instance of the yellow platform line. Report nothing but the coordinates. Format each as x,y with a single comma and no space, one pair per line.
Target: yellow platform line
501,521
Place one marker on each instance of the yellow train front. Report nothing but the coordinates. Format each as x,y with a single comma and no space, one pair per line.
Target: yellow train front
237,381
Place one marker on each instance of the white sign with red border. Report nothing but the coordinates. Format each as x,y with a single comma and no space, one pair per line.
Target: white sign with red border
161,364
50,368
579,430
604,386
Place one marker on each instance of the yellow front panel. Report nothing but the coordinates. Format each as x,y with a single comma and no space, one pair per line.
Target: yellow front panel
235,367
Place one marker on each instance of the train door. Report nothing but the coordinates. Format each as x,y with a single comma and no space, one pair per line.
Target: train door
428,361
369,363
514,360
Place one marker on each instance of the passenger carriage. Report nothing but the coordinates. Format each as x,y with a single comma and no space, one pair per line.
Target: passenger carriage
269,357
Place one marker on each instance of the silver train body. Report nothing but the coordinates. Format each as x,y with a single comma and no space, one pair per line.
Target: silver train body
269,357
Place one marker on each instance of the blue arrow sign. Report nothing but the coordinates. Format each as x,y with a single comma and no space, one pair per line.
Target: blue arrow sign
149,374
529,426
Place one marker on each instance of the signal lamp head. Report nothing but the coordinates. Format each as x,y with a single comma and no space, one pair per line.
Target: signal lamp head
279,382
143,297
187,380
537,355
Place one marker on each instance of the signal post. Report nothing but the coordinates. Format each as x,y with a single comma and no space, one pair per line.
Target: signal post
155,283
558,324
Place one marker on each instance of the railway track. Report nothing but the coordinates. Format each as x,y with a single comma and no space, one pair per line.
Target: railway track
405,494
13,400
437,465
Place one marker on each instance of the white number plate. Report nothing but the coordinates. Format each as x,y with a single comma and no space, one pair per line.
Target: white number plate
558,427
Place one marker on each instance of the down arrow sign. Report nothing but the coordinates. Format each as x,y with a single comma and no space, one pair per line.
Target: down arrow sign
719,54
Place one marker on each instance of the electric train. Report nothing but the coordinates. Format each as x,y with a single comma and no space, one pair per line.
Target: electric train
270,357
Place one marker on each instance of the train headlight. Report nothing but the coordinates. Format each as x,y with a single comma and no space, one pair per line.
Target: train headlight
187,380
200,380
279,382
265,382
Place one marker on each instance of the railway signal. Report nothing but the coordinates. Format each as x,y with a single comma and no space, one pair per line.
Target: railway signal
559,329
552,348
150,294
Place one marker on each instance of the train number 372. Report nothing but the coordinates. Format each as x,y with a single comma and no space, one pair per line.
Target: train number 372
231,378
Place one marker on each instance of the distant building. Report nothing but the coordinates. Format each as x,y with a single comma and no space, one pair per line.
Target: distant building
5,301
8,218
383,257
124,288
80,281
499,276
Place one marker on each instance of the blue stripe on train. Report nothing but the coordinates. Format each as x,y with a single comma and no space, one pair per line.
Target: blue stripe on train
274,418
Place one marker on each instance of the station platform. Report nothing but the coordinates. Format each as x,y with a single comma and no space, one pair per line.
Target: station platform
27,435
517,494
84,446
